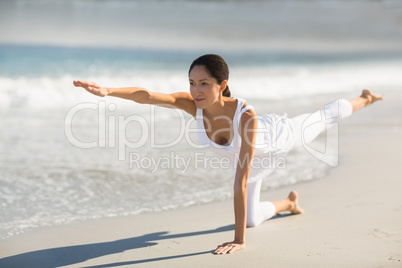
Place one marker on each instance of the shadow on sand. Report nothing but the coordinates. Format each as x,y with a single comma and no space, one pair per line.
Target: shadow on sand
56,257
62,256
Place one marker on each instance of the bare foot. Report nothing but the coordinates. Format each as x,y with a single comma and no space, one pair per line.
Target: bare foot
371,98
294,199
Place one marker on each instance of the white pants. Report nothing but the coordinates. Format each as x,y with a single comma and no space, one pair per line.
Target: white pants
257,211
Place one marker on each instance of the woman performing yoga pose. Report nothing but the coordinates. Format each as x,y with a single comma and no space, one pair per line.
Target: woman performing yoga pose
231,127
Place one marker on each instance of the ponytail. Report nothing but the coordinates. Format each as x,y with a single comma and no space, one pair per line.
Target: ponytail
226,92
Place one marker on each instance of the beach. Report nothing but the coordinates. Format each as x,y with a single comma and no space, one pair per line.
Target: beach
105,182
352,219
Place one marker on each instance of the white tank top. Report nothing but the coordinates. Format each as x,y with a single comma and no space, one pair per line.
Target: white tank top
275,137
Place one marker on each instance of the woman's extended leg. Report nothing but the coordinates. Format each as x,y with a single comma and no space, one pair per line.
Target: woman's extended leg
257,211
309,126
365,99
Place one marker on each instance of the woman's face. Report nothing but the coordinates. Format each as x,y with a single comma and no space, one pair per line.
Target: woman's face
204,88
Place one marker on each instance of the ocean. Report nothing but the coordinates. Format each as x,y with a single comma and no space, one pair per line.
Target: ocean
68,156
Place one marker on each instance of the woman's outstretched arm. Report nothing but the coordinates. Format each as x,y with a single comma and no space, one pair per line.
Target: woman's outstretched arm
247,130
179,100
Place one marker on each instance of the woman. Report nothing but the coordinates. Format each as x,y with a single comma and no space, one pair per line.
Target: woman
230,126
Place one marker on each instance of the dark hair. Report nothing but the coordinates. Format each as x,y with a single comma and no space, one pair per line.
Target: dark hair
216,67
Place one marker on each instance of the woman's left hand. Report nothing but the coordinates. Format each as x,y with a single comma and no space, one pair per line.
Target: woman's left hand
229,247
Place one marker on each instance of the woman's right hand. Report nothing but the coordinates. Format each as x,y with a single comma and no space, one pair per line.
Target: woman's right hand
92,88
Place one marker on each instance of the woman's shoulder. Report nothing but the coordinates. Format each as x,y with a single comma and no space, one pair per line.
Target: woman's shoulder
230,99
246,107
236,102
246,111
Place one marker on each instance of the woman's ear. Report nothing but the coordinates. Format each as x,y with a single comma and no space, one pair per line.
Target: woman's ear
223,85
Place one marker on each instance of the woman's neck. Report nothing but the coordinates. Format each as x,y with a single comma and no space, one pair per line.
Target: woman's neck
217,108
222,107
